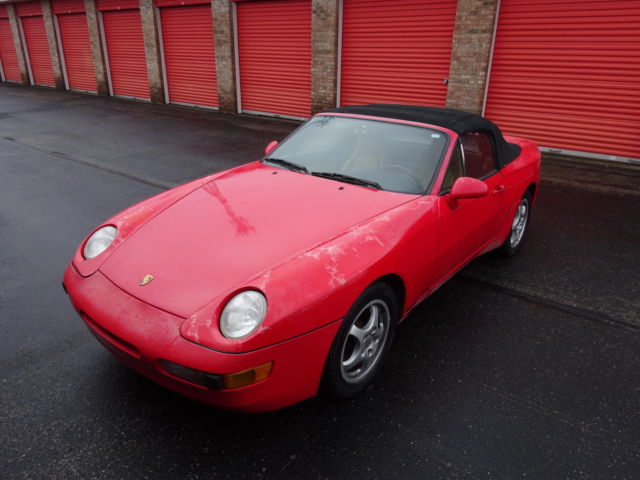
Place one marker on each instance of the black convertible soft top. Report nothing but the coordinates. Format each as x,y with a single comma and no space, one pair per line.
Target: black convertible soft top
455,120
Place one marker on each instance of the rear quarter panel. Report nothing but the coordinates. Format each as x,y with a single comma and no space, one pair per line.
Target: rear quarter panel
519,175
524,170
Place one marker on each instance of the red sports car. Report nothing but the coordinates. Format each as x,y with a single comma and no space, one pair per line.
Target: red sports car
253,288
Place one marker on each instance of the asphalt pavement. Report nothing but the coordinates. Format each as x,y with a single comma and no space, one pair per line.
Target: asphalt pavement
519,368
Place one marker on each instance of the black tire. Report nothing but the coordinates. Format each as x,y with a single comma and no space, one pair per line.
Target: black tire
352,364
514,240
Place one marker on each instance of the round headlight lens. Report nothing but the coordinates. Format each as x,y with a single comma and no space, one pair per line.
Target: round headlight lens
243,314
99,241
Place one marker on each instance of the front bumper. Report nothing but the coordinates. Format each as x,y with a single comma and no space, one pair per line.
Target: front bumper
142,336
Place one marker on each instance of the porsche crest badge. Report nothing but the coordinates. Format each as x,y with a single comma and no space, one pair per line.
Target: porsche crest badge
146,280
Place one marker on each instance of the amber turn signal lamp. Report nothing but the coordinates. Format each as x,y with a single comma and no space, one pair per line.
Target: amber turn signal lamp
247,377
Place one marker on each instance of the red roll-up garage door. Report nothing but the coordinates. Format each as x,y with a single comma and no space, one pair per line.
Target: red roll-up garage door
125,48
188,51
567,75
8,57
35,37
274,52
74,40
396,52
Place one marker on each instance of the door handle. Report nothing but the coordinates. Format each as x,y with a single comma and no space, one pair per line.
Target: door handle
498,189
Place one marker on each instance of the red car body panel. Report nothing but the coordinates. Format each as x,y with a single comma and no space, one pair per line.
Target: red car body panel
152,335
231,228
310,244
131,219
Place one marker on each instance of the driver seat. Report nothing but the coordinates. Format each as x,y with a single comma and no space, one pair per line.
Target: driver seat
366,157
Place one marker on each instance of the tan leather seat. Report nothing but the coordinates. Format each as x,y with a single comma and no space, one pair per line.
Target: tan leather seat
366,157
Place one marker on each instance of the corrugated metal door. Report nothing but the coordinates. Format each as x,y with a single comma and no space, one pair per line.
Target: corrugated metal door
125,51
75,44
567,74
37,45
274,54
74,36
396,52
8,56
67,6
189,54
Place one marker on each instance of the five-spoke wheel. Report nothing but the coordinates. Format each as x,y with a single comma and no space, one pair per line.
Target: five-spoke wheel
365,341
362,342
518,226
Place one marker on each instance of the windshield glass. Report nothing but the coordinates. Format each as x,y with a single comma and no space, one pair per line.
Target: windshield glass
391,156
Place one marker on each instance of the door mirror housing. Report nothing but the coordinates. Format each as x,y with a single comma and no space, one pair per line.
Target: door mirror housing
466,187
270,147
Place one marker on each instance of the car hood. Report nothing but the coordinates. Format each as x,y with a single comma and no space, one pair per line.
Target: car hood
233,228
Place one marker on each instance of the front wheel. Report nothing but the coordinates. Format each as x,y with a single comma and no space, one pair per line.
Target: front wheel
519,226
362,343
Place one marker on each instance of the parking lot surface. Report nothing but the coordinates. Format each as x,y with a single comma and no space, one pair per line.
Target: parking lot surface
519,368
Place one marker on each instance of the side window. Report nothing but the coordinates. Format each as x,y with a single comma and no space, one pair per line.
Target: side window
479,160
455,169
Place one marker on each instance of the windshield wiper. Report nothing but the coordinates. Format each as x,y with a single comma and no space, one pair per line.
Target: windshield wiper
341,177
286,163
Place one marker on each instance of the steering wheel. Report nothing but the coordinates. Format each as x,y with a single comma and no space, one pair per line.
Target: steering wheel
407,172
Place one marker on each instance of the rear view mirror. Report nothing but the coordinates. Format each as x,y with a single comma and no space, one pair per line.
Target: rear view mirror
270,147
466,187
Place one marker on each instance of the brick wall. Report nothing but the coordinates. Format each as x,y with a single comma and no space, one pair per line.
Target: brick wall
54,48
324,54
225,56
475,20
97,53
152,50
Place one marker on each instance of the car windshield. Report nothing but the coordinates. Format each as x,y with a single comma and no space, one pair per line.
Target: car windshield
390,156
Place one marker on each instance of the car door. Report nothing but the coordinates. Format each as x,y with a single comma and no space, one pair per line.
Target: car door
465,230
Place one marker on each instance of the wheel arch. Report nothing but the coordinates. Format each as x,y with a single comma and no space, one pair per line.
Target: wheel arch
397,285
533,191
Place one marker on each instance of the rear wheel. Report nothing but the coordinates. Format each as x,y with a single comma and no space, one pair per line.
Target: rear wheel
362,343
519,226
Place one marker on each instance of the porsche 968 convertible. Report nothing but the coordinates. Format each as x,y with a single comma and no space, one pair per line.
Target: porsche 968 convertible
257,287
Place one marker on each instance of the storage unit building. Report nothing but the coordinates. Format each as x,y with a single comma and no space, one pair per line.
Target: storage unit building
564,74
9,67
396,52
188,52
567,75
124,48
36,43
274,56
